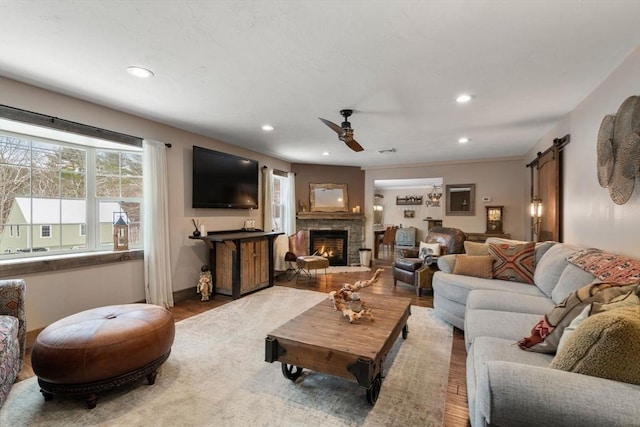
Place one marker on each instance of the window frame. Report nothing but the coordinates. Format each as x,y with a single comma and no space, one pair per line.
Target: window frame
91,242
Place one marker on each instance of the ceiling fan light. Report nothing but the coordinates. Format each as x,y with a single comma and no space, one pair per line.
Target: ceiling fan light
463,140
326,153
267,128
463,98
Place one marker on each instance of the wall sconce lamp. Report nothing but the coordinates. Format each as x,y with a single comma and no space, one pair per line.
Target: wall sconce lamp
535,210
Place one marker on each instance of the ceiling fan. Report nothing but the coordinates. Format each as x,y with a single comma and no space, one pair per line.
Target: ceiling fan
345,133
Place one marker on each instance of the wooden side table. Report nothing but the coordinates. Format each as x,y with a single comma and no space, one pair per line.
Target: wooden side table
424,276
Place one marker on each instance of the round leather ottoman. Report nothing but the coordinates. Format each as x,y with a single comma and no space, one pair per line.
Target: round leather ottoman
102,348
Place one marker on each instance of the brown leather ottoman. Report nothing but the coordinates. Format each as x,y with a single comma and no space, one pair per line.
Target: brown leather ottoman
102,348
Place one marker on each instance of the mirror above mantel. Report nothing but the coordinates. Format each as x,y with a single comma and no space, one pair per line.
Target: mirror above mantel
461,199
328,197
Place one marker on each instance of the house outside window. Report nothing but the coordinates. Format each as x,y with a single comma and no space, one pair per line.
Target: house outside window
64,192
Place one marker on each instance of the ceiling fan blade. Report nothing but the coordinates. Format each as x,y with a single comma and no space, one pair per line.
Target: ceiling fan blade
333,126
353,144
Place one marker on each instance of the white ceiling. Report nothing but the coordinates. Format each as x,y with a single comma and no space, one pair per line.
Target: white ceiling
223,68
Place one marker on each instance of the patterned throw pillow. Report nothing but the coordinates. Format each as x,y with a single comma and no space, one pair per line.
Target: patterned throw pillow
546,334
513,261
607,266
428,249
474,265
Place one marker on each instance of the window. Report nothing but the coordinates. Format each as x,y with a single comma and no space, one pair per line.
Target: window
45,231
65,190
280,193
276,203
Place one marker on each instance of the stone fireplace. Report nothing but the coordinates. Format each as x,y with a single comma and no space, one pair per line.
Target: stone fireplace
350,224
331,244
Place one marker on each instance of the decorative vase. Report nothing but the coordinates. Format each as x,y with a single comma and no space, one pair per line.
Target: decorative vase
196,233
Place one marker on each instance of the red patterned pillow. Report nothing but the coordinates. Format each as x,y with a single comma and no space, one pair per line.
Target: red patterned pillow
607,266
513,261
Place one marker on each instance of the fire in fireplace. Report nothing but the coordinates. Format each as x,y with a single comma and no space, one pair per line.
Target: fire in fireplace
331,244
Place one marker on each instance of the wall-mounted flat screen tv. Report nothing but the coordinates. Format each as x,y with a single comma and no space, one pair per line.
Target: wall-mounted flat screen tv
222,180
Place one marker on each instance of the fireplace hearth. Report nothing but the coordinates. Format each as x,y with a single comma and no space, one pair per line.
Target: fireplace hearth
331,244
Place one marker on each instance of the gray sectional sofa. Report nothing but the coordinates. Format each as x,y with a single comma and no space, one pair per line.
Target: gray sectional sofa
507,385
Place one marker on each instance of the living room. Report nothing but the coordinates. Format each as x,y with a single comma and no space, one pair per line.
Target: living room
590,217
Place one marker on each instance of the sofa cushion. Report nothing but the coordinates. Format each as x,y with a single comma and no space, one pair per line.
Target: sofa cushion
607,266
546,334
475,248
474,265
605,345
571,279
486,350
513,261
456,287
495,323
484,299
551,266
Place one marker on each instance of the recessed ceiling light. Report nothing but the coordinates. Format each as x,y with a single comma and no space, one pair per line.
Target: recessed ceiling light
326,153
463,98
267,128
463,140
143,73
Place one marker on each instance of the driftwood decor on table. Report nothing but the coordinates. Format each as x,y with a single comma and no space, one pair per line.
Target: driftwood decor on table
618,150
348,301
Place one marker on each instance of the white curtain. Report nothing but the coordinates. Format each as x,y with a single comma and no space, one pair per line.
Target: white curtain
157,262
289,201
267,195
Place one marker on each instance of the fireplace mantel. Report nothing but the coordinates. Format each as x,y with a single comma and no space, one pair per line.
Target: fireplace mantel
352,222
331,215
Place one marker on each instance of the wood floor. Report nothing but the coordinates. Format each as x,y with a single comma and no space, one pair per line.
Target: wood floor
456,412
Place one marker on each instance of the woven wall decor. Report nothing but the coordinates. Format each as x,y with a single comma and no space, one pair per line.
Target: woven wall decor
618,151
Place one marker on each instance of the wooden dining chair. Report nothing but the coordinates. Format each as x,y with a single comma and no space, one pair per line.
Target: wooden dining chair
389,241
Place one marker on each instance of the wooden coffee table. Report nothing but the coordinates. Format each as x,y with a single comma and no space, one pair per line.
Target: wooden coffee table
322,339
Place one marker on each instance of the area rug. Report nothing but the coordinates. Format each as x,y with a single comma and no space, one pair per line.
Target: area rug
216,376
350,269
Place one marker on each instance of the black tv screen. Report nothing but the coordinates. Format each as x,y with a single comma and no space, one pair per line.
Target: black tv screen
223,180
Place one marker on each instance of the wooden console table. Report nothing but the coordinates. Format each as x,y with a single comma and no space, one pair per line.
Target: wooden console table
240,261
481,237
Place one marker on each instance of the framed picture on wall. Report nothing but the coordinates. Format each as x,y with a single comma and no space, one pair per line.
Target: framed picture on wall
409,214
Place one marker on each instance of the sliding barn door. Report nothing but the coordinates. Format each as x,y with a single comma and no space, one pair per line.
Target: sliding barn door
546,183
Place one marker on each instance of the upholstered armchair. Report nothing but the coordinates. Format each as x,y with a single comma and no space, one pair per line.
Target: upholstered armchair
417,269
13,333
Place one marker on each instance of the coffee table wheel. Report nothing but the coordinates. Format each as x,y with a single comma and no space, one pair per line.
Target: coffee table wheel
291,372
374,389
405,331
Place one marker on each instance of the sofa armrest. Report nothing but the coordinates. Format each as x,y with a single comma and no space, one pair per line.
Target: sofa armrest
446,263
531,395
12,293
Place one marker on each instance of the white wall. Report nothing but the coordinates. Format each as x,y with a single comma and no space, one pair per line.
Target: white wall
54,295
394,214
591,218
501,180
